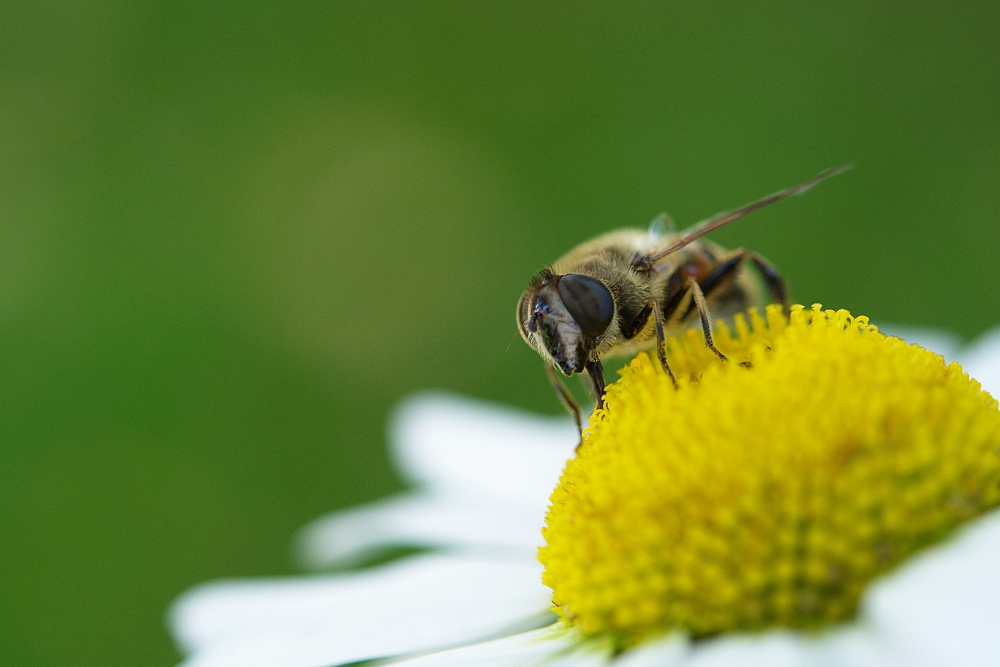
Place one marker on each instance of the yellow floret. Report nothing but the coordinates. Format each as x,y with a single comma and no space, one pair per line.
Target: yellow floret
770,489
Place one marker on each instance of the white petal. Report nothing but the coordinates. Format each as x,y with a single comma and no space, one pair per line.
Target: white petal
548,647
412,605
419,520
942,341
671,651
772,649
852,645
460,447
943,608
981,360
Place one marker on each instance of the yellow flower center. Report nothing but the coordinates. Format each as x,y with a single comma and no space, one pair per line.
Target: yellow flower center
770,489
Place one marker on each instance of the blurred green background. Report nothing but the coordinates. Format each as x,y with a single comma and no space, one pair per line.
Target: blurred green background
233,235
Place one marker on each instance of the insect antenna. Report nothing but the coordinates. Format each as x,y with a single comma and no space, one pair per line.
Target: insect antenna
724,218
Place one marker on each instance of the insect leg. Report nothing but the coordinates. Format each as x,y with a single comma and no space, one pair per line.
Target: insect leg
565,398
596,372
677,295
725,268
661,344
706,322
775,283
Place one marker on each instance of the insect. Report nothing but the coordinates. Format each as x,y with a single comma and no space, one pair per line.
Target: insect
621,292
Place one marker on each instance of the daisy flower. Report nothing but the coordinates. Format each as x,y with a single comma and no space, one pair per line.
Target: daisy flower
827,497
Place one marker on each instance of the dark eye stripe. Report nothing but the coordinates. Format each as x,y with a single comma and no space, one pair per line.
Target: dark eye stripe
588,301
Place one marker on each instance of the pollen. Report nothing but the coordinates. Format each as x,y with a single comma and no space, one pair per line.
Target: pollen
769,490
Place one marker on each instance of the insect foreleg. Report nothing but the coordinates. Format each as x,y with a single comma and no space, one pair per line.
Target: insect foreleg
661,344
565,397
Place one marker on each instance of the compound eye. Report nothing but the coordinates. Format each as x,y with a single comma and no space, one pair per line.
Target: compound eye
588,301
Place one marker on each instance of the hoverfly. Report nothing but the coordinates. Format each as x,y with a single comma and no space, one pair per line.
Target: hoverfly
621,292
